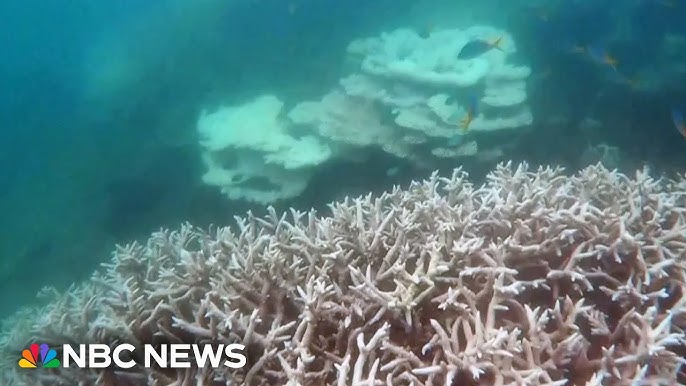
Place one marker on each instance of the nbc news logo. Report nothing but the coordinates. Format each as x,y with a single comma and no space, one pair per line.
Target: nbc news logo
172,356
37,355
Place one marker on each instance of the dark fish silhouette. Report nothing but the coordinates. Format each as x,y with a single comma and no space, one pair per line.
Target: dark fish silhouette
472,112
478,47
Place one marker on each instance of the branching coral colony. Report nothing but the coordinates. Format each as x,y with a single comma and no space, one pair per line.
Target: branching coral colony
535,278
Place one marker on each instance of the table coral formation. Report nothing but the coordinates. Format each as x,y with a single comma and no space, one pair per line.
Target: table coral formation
416,87
534,278
407,98
249,153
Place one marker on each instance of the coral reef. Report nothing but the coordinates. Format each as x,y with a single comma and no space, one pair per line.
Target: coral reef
408,99
414,92
250,155
433,77
534,278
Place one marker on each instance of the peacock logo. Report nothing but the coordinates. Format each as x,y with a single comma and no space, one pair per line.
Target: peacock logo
48,357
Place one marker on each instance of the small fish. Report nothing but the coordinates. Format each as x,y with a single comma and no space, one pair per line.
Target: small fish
479,47
472,112
679,123
600,55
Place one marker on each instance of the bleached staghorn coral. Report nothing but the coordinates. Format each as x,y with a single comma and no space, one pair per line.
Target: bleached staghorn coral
535,278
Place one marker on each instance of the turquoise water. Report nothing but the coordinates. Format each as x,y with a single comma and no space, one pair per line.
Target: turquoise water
100,103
